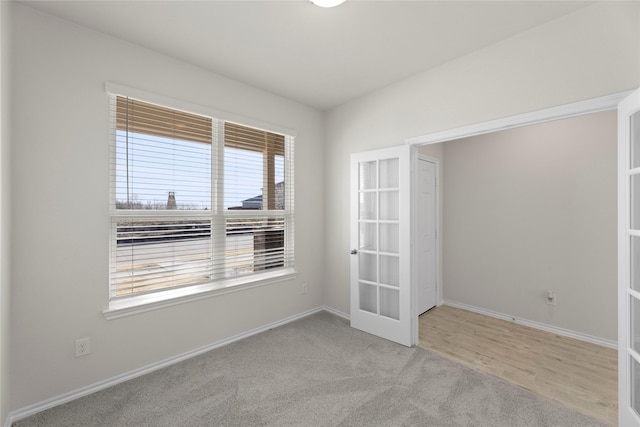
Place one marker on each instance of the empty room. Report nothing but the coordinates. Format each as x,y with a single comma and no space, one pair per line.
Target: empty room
207,212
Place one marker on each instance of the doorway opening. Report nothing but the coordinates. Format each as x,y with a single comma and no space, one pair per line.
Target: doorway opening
508,242
519,217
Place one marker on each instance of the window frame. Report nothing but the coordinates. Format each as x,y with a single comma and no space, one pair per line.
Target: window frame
127,305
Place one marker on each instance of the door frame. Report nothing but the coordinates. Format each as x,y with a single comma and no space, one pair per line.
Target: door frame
436,162
594,105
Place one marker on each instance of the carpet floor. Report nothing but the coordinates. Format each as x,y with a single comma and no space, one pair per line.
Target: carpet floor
316,371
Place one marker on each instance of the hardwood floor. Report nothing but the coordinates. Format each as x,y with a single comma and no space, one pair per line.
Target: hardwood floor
580,375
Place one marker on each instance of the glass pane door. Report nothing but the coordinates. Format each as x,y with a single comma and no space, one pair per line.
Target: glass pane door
634,260
378,242
629,260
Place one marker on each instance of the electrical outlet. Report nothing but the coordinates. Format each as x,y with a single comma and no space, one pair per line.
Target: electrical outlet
551,298
83,347
305,288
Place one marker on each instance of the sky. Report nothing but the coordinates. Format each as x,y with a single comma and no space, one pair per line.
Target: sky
156,166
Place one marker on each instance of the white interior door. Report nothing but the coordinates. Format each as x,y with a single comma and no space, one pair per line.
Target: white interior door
427,243
381,292
629,260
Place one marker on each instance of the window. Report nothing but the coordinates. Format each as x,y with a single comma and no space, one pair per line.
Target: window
197,203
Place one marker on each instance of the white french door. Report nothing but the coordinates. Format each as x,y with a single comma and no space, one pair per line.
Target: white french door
629,260
381,274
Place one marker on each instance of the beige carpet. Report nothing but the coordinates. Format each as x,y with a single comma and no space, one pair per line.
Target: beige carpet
316,371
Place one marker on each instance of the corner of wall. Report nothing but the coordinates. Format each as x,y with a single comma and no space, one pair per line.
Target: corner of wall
5,137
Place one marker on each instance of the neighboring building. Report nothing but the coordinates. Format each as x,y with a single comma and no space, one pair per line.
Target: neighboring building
255,202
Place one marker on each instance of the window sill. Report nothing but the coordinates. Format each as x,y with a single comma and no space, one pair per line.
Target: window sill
142,303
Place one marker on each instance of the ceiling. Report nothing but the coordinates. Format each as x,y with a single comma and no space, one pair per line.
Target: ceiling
318,57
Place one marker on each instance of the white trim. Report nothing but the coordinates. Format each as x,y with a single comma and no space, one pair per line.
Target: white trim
413,242
588,106
153,301
533,324
167,101
336,312
101,385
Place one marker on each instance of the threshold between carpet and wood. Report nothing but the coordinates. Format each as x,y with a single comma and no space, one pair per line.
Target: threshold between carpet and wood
316,371
578,374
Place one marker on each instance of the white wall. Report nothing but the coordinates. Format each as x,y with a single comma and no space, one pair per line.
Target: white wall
5,191
592,52
60,210
534,209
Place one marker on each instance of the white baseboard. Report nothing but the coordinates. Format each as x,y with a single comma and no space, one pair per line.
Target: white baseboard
543,326
101,385
336,312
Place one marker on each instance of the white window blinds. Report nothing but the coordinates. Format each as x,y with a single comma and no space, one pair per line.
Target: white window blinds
195,200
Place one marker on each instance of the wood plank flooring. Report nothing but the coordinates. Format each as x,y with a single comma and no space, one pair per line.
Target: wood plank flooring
579,375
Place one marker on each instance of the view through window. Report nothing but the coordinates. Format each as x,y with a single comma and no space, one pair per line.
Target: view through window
195,200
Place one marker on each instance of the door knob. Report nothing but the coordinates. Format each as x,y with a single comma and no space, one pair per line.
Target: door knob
354,251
